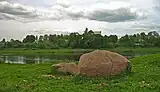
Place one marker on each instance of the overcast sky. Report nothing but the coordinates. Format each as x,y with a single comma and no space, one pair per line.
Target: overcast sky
21,17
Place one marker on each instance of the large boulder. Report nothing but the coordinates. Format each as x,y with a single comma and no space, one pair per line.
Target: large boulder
102,63
97,63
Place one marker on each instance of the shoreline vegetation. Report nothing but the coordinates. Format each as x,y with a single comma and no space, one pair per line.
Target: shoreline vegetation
23,51
89,39
31,77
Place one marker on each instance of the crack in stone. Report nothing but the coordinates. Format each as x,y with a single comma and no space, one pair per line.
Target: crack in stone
111,62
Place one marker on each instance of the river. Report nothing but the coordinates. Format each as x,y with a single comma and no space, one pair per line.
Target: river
43,59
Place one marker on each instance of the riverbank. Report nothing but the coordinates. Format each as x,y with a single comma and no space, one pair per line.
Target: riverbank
28,78
73,51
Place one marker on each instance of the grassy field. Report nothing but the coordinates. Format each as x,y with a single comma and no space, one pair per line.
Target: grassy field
72,51
42,51
145,77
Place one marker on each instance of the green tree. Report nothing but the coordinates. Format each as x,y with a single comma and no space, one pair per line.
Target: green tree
29,39
3,40
125,41
157,42
63,43
112,39
52,38
74,40
3,43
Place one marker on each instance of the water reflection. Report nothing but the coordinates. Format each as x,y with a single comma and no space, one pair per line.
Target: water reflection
42,59
36,59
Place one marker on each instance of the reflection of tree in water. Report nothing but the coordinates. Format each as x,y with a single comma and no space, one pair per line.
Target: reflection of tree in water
50,58
74,57
11,58
40,59
2,59
29,59
35,59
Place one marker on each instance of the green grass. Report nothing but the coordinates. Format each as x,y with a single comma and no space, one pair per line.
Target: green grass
21,51
145,77
138,50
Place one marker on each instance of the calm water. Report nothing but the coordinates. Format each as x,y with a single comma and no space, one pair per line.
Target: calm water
36,59
42,59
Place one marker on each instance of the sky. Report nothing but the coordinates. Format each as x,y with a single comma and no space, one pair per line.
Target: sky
19,18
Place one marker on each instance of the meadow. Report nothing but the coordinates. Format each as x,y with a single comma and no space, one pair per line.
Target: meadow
145,77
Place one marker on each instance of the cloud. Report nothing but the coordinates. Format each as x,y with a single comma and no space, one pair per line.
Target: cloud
147,26
46,31
101,12
4,16
157,9
63,10
118,15
63,3
110,16
117,11
17,9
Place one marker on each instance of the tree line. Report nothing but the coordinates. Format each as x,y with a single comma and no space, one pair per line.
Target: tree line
88,40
